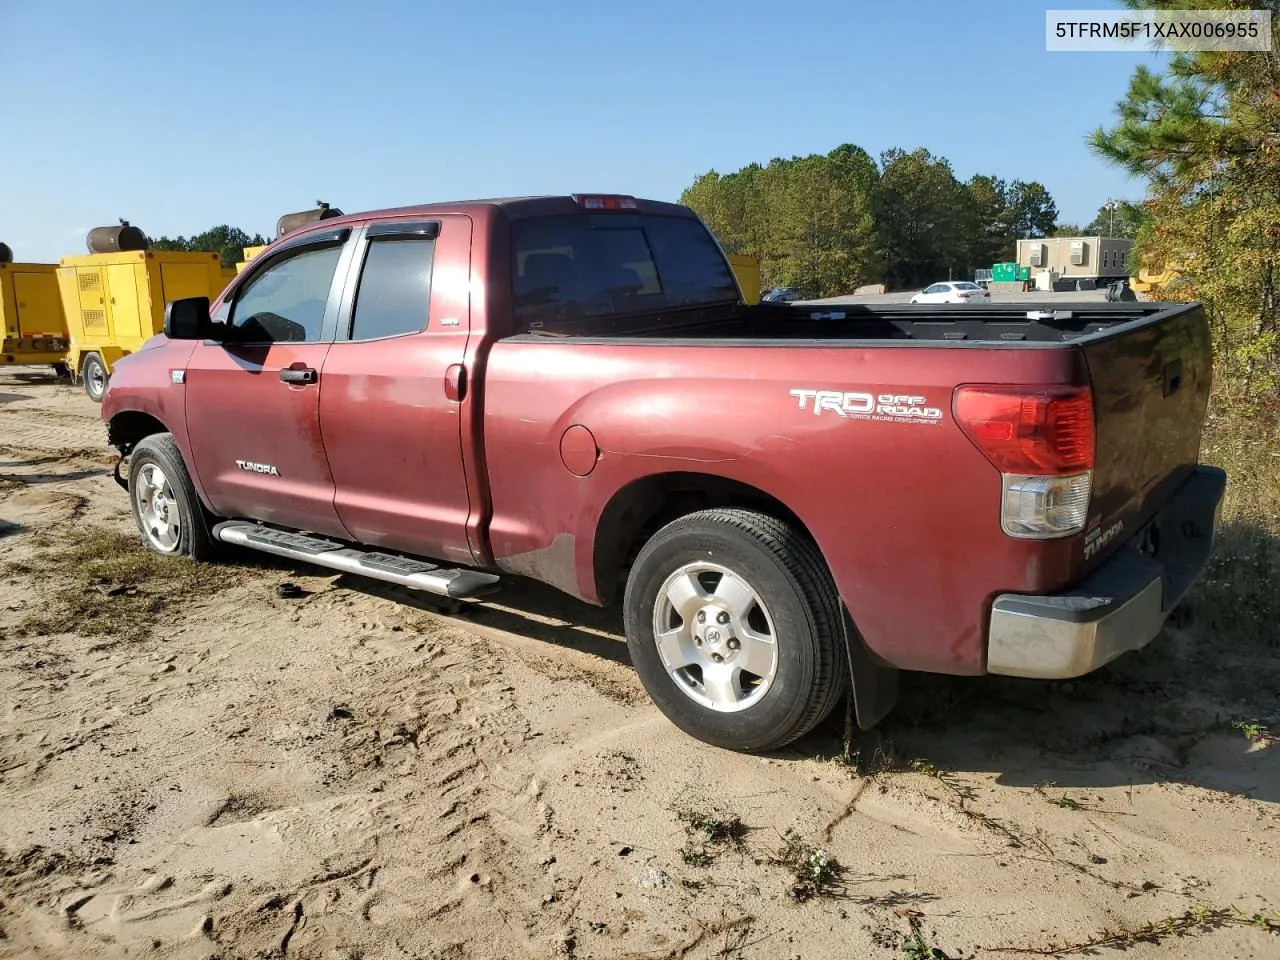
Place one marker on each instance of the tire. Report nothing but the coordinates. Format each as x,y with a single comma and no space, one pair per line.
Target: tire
93,373
156,468
61,371
797,679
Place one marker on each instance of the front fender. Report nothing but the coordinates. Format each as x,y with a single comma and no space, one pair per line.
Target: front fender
151,382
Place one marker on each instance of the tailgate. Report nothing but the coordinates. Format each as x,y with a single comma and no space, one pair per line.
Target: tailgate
1150,390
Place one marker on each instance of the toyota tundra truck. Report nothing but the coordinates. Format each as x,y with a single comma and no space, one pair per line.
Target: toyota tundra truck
788,501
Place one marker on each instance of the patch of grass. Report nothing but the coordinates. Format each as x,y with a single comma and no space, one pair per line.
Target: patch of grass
921,765
1065,802
846,759
708,833
814,872
1255,732
718,826
863,753
916,947
1203,918
1236,597
107,583
695,856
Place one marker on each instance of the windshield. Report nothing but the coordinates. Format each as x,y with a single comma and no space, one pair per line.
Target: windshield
585,266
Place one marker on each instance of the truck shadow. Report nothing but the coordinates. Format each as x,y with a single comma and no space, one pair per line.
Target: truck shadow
523,607
1199,705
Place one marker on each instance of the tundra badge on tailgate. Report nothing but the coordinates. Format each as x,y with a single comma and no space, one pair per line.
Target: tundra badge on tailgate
853,405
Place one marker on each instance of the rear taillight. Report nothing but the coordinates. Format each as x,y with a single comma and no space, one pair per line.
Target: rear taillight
1041,439
605,202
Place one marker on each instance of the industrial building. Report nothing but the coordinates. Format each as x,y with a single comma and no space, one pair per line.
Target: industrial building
1101,259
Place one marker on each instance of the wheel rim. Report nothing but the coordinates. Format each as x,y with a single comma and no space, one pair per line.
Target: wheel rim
158,510
95,378
716,637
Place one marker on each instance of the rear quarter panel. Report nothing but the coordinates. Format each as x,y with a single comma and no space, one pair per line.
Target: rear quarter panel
906,512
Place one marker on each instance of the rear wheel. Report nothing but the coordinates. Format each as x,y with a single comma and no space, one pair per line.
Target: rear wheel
94,374
735,630
166,508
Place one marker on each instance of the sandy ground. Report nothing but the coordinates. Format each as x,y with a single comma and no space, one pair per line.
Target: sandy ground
192,766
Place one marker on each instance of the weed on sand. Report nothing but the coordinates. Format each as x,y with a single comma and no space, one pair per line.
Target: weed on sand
106,583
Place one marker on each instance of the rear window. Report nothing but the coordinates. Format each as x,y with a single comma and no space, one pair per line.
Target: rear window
586,266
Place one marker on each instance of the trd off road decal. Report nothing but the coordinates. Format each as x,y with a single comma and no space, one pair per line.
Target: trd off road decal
854,405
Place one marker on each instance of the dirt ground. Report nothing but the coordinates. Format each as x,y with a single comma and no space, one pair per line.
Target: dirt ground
192,765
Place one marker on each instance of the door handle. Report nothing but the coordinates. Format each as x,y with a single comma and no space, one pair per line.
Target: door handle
455,382
296,375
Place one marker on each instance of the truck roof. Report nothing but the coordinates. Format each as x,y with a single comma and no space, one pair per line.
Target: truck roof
514,208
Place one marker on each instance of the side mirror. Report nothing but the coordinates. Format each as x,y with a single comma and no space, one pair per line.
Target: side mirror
187,319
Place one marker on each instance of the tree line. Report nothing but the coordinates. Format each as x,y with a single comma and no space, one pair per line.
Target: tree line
1204,135
225,240
830,223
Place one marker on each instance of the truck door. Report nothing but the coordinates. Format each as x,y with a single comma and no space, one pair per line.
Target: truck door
253,400
391,405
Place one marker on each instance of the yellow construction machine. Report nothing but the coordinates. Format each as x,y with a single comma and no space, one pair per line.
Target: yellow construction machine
114,297
35,331
747,270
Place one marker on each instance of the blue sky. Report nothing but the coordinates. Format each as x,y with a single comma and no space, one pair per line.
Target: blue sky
181,115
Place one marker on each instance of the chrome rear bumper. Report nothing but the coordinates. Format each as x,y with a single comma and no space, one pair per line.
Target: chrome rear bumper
1122,605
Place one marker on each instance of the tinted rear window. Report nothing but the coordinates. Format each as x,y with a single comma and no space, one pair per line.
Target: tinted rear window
395,289
585,266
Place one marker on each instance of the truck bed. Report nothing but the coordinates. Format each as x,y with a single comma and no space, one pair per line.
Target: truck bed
1024,324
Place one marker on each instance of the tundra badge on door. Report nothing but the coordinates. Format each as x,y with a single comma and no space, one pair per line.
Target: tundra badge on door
257,467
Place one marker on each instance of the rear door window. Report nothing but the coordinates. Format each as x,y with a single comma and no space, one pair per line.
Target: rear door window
587,266
395,289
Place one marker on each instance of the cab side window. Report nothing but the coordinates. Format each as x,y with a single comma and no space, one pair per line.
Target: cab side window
394,295
286,301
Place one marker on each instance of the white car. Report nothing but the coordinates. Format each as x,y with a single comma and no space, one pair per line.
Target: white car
952,291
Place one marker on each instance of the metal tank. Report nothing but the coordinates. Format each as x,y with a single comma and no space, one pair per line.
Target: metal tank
119,239
292,221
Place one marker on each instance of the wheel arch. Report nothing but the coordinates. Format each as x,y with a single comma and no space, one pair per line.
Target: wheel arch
644,505
637,510
127,428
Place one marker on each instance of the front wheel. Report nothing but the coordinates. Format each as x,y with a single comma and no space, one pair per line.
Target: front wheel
166,507
735,629
94,374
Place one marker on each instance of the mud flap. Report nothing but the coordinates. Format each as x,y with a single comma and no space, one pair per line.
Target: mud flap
124,484
874,686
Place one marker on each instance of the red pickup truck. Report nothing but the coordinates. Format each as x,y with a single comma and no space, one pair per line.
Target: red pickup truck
788,501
